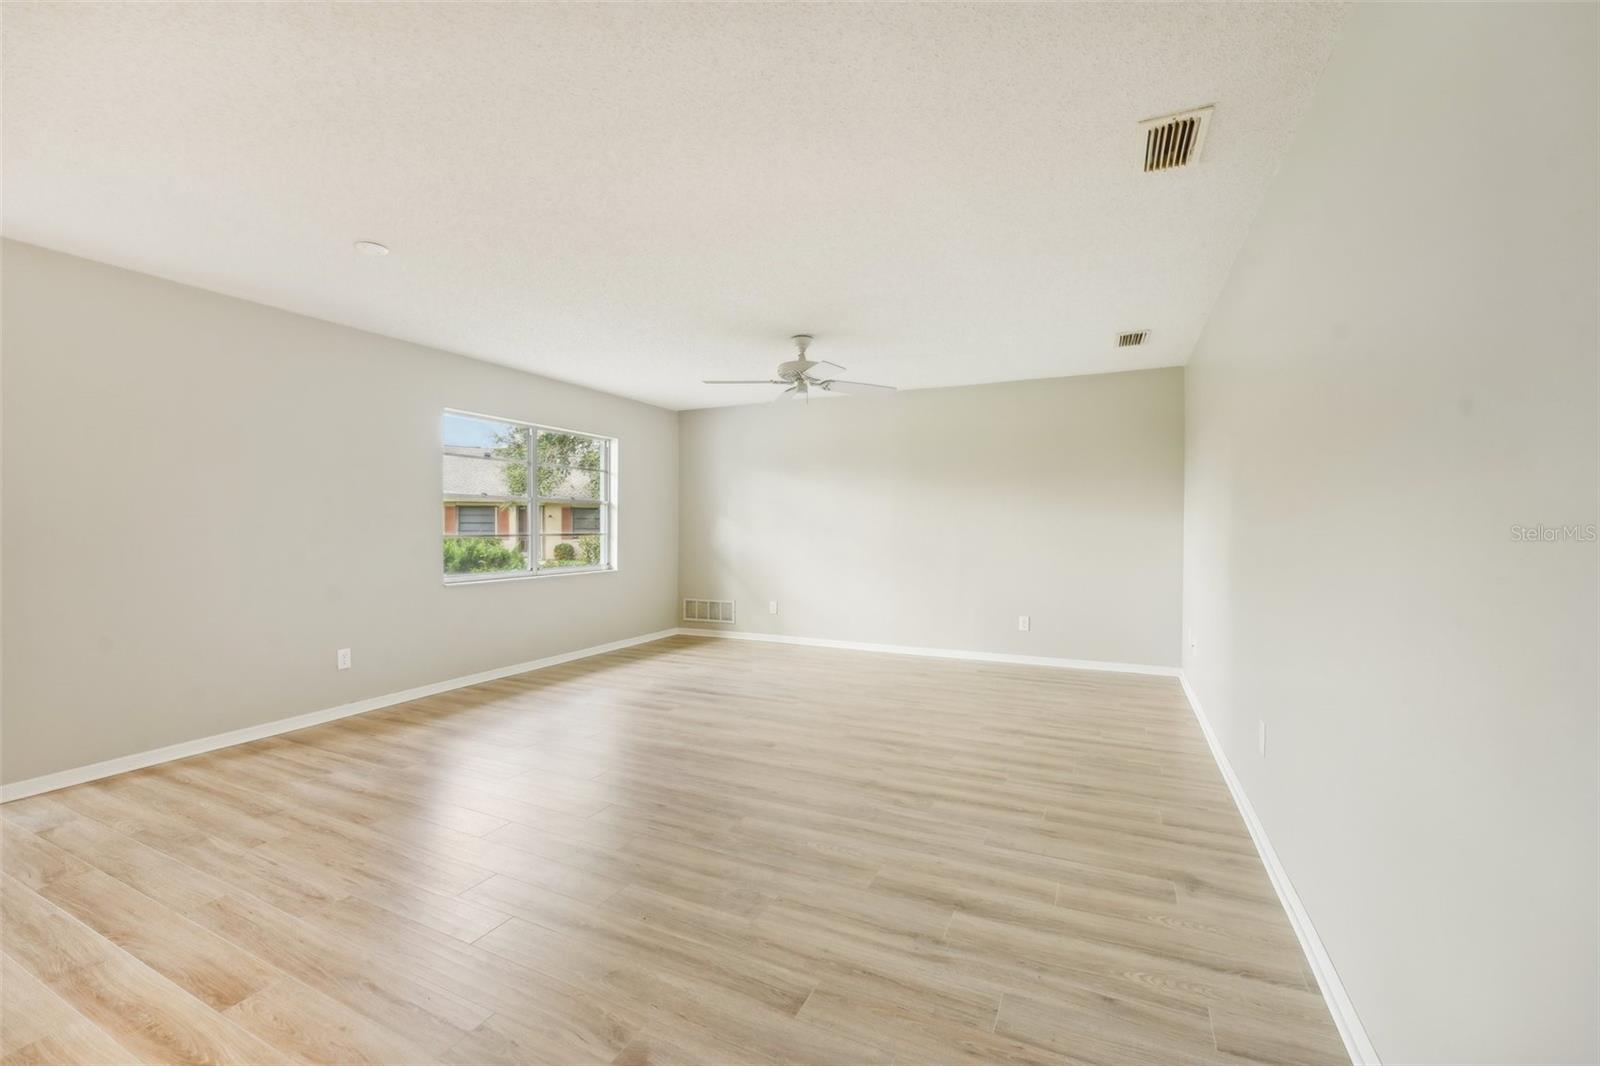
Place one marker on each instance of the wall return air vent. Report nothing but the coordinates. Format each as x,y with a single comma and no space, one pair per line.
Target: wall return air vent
1173,141
1132,340
708,611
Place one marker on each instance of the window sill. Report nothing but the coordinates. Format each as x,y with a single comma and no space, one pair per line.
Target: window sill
495,579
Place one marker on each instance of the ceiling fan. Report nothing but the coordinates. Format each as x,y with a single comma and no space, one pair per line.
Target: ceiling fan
804,379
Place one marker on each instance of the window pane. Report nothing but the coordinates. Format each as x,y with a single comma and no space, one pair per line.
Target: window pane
558,520
483,459
501,517
485,555
571,483
571,549
476,520
572,450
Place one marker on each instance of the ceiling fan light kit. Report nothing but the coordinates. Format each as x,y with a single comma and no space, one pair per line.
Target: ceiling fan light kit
801,378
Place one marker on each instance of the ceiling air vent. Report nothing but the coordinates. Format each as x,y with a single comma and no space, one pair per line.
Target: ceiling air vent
1174,140
1132,340
708,611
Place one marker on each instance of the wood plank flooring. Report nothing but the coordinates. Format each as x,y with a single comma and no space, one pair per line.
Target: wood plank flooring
692,851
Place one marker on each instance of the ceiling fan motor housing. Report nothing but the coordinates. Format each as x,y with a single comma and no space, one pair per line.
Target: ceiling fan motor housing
796,368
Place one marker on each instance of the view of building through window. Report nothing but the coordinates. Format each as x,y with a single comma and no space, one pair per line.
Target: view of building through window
496,473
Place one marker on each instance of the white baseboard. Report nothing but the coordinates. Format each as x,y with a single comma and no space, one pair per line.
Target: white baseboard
937,653
33,786
1356,1042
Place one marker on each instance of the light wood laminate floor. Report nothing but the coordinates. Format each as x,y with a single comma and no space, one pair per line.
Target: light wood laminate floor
689,851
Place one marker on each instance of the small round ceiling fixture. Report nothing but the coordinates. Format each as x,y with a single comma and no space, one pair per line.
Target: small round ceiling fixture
371,248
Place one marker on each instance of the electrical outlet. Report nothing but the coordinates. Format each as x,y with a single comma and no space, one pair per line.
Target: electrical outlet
344,658
1022,623
772,606
1261,738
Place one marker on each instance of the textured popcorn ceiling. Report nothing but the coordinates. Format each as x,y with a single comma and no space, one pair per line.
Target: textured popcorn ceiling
636,197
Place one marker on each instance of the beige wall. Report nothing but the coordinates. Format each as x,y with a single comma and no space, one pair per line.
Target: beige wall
1401,369
264,489
934,518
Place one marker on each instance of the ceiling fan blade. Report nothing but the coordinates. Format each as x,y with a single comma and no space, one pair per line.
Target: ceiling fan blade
857,388
743,381
821,362
791,393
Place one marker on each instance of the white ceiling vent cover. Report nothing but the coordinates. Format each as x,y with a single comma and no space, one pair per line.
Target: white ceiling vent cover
708,611
1132,340
1173,141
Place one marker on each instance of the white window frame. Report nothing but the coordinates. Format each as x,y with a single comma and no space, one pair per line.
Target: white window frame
535,503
